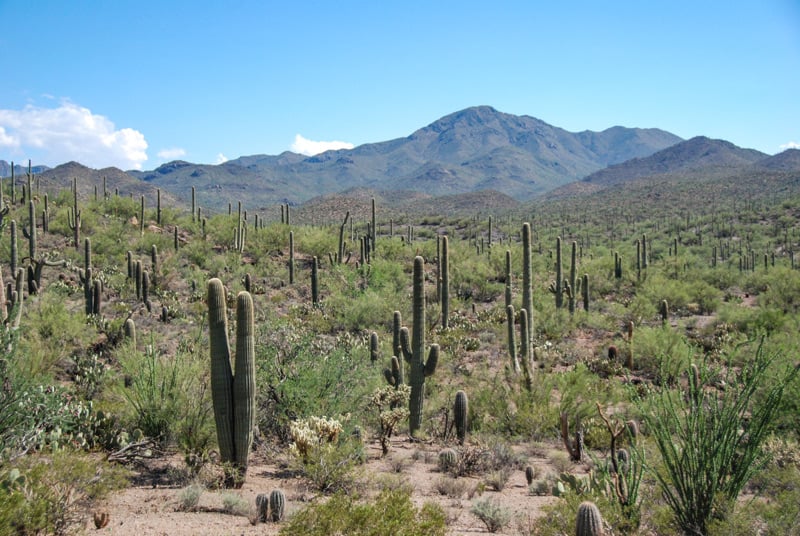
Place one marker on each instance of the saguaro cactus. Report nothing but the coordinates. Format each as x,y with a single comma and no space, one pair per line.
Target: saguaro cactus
413,351
445,263
557,286
233,396
460,410
527,277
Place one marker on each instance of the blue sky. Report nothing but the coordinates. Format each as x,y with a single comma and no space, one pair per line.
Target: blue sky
136,83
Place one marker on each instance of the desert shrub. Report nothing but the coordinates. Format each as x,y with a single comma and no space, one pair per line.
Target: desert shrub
52,495
660,352
234,504
167,396
50,333
450,486
189,497
493,515
391,512
293,362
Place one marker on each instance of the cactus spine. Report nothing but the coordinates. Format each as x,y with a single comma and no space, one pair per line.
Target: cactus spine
445,263
460,410
233,395
414,352
589,522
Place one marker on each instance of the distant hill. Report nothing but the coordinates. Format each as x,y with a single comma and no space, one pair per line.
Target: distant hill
474,149
687,156
5,169
788,160
117,181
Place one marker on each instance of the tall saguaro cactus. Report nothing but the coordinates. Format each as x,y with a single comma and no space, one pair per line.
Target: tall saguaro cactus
527,277
233,396
445,263
413,351
557,287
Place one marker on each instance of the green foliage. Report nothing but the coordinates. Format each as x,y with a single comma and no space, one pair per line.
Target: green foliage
52,495
168,397
391,512
293,362
710,442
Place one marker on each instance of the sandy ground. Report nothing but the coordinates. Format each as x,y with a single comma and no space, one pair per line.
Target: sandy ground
151,505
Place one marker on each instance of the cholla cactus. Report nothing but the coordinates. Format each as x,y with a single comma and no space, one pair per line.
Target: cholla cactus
307,434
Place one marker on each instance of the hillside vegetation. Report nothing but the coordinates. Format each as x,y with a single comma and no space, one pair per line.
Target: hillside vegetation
636,351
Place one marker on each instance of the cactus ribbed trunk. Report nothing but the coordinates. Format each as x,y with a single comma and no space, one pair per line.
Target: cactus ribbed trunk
512,343
221,373
445,263
559,284
233,396
573,281
527,277
244,381
460,411
413,351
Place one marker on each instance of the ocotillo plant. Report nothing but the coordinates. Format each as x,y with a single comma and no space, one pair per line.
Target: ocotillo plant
413,351
460,411
445,263
233,396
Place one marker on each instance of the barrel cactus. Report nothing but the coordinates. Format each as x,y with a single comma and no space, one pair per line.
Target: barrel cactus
589,522
277,503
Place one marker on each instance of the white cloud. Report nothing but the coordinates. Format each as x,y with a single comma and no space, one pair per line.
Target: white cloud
790,145
310,148
72,132
171,154
221,159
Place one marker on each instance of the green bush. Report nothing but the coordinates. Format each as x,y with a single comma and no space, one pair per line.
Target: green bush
391,512
52,495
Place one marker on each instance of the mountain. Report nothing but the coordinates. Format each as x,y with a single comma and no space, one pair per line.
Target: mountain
788,160
700,153
117,181
474,149
5,169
